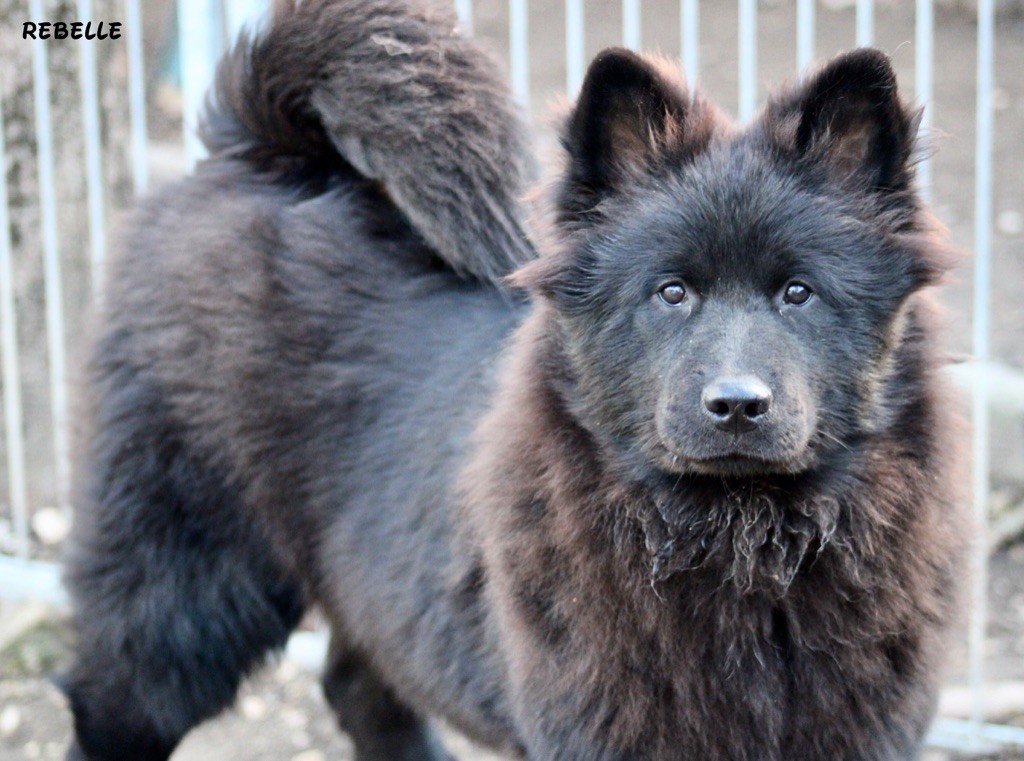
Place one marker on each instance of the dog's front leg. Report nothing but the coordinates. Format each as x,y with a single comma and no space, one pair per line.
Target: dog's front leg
570,745
568,726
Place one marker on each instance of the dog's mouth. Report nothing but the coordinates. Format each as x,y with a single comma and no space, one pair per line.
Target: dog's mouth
736,464
732,464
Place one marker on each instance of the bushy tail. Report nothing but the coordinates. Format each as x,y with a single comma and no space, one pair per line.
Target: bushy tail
401,95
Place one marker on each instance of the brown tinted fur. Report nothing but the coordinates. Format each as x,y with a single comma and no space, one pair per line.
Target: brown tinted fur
599,648
803,619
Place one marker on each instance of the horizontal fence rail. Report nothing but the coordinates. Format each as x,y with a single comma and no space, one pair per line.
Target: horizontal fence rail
205,28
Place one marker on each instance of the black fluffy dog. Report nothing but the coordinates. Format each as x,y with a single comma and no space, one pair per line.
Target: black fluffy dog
679,488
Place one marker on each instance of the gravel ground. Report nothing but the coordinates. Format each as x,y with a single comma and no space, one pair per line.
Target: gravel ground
279,716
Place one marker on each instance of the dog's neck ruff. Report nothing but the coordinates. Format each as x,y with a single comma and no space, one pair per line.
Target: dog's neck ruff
741,531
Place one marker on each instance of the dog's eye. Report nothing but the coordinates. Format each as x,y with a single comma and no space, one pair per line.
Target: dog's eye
672,294
797,294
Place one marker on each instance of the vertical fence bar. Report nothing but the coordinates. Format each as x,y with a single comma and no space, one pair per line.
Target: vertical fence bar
924,60
242,14
93,151
804,33
574,55
137,96
464,10
689,33
865,22
14,429
631,24
518,32
980,414
198,44
54,292
748,57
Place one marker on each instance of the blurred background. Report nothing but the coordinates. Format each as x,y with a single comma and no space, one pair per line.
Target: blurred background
87,126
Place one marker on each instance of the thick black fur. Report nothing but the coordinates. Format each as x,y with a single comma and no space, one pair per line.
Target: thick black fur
313,384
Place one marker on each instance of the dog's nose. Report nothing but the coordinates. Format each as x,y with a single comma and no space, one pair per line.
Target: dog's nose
737,404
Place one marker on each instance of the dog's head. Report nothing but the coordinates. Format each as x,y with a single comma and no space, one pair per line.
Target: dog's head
729,301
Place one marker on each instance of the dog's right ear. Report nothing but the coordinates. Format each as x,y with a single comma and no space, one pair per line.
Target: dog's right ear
628,115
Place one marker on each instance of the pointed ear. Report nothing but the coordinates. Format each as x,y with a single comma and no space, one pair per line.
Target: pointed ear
851,119
628,112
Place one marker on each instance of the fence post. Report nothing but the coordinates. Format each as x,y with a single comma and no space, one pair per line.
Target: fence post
865,22
982,277
14,429
199,43
93,151
924,58
137,97
689,34
54,292
804,33
518,34
748,58
574,51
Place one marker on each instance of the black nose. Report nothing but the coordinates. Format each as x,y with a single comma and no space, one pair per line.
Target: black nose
737,404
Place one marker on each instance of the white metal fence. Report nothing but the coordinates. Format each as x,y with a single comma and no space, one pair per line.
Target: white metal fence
203,28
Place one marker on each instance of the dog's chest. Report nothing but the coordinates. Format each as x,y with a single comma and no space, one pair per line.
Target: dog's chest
724,676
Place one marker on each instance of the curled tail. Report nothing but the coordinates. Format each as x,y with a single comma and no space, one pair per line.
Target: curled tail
395,90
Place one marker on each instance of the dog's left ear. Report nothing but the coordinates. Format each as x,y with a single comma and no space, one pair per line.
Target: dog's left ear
851,119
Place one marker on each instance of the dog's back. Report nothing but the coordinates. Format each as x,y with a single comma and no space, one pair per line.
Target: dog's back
270,327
